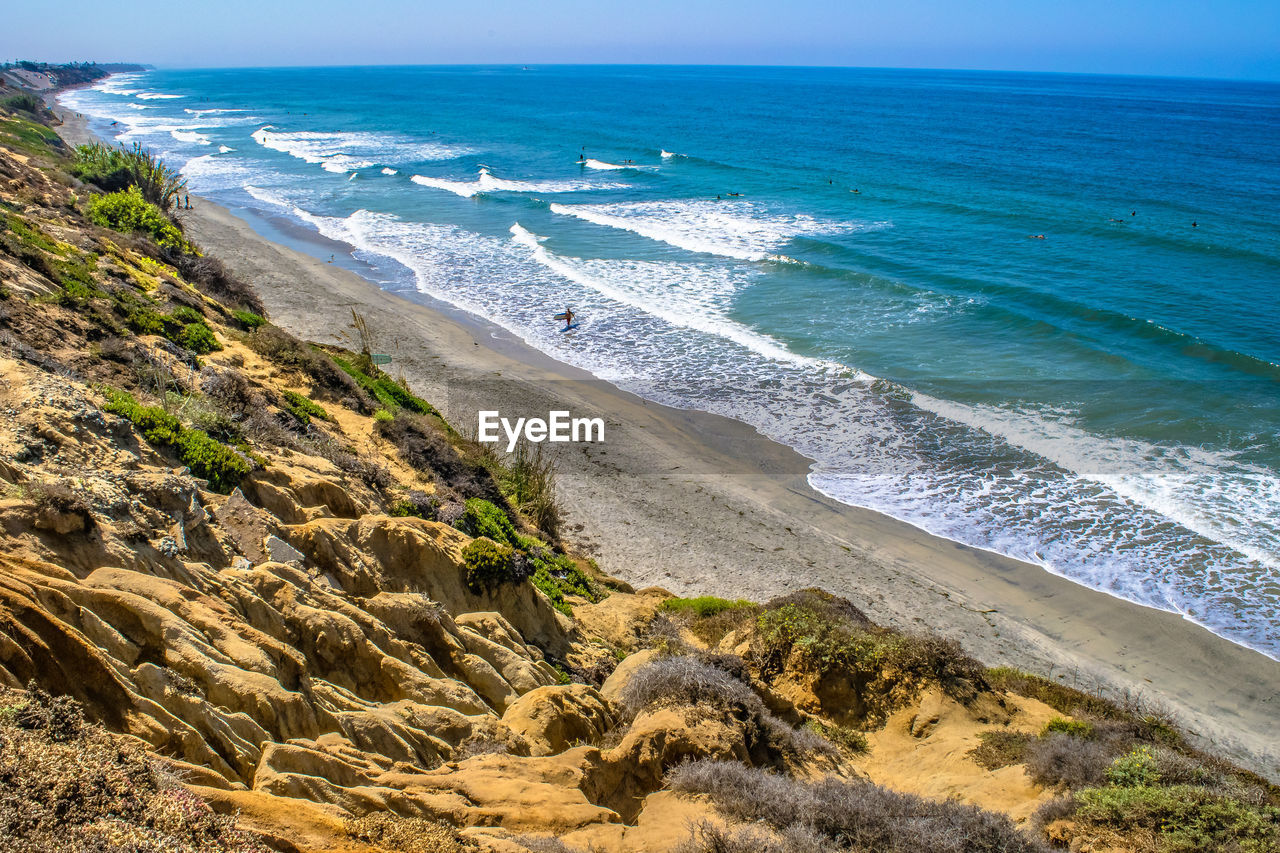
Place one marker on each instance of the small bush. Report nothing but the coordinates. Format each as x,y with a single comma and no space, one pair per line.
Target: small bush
482,518
837,815
382,416
208,459
24,103
61,499
303,409
1066,761
1000,749
685,680
198,338
424,448
704,606
287,352
709,618
212,277
1075,728
1136,767
416,504
488,564
1181,818
116,169
70,787
247,319
129,212
889,668
229,391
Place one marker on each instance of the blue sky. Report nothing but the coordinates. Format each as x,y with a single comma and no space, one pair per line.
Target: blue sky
1228,38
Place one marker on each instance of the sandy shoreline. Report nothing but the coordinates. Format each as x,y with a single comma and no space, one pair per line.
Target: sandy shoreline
698,503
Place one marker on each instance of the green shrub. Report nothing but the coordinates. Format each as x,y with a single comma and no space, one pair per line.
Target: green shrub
198,338
24,103
488,564
382,416
528,480
303,409
207,458
1135,768
186,314
391,394
829,636
118,168
211,460
482,518
185,326
545,583
129,212
247,319
705,605
1182,818
1075,728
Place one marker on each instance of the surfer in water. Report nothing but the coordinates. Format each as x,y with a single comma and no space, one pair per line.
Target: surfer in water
567,316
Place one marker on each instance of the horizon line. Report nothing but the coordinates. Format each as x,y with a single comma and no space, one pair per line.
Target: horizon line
532,65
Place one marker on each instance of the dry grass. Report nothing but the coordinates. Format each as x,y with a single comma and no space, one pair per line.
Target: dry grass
408,834
1000,749
68,787
688,682
831,815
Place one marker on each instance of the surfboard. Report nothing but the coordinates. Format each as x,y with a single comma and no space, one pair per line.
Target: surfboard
561,316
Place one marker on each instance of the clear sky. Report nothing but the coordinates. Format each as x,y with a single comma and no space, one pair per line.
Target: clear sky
1218,38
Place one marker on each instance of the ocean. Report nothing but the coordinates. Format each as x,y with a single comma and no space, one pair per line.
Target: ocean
1037,314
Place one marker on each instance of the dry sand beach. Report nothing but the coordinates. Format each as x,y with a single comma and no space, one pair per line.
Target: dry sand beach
700,504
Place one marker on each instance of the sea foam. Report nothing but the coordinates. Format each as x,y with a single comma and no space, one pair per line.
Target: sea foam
732,229
486,182
343,152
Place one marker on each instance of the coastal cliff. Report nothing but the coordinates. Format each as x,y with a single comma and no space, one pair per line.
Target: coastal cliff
257,594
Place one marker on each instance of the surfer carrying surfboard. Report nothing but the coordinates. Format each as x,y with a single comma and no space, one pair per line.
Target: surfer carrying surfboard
567,316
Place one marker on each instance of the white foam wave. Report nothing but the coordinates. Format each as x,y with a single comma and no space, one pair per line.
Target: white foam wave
682,295
342,152
388,171
225,149
614,167
119,84
486,182
213,111
1171,481
733,229
190,137
667,155
157,96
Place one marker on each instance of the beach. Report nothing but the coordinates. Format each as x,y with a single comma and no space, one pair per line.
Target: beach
700,504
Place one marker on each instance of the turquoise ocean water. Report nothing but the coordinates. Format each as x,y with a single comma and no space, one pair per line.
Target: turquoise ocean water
1104,402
